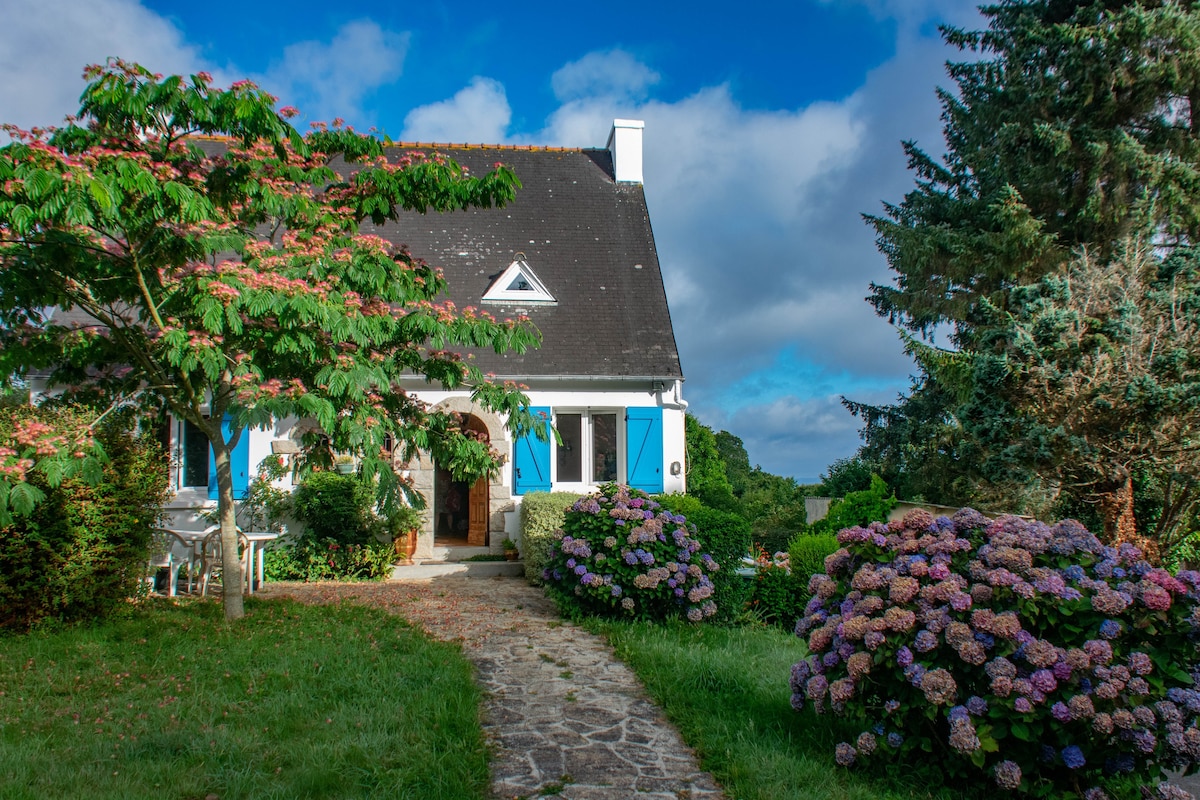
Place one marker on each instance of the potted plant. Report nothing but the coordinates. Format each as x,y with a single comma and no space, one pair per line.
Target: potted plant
404,523
344,464
510,549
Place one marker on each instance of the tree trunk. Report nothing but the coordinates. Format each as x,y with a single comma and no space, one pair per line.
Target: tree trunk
1120,526
231,565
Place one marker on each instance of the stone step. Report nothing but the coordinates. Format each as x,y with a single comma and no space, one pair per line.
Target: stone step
469,569
456,553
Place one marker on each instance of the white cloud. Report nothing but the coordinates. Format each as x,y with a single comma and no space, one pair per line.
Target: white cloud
757,218
742,201
790,436
477,113
608,73
327,80
756,213
45,45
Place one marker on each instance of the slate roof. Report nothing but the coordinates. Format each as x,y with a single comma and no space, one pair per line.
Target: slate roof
585,236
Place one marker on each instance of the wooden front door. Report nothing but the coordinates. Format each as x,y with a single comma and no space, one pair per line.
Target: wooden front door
477,514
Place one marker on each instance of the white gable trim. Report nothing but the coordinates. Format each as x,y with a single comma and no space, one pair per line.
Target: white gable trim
519,284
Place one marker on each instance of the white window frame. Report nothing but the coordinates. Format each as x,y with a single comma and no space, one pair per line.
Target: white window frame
537,293
587,444
179,429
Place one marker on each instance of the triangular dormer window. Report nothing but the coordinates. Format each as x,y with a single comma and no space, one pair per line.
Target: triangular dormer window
518,284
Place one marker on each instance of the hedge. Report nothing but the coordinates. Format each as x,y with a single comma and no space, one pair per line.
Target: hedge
726,537
541,515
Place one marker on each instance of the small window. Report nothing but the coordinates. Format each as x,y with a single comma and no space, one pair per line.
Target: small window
588,451
604,447
570,450
518,284
196,452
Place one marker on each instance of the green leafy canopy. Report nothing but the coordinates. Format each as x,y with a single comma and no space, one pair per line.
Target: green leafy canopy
211,262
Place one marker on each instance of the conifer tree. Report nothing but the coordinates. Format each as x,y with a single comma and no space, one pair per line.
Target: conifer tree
1075,126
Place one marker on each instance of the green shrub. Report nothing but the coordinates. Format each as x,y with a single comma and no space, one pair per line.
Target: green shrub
777,594
726,537
806,554
619,553
686,504
1008,650
858,508
329,560
337,507
541,515
82,551
772,532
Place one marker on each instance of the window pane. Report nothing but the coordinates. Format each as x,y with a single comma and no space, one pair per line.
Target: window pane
195,456
604,446
570,452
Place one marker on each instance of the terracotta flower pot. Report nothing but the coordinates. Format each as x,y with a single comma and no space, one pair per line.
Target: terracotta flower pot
406,545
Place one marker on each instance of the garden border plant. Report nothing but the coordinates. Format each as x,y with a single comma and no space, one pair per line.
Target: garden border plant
541,515
342,539
1030,654
619,553
726,537
80,553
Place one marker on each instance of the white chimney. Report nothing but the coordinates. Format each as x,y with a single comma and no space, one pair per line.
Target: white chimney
625,144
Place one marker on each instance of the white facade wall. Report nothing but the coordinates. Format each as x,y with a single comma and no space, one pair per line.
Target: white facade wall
187,504
601,396
183,511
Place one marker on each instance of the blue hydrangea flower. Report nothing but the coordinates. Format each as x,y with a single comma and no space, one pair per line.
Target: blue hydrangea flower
1073,757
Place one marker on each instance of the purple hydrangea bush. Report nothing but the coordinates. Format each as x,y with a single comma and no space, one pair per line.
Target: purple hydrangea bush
619,553
1028,655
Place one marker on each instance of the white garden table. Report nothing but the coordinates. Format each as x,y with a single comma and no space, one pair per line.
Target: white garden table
258,541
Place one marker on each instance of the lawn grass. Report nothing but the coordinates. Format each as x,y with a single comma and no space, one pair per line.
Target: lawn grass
727,691
170,702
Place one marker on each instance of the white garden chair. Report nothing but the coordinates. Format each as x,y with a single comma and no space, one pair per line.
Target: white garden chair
168,549
211,557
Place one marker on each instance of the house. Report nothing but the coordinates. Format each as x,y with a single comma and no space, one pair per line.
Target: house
575,252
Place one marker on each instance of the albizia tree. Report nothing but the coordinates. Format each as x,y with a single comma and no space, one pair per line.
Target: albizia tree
227,279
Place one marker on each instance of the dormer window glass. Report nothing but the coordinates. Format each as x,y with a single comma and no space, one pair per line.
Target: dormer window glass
518,284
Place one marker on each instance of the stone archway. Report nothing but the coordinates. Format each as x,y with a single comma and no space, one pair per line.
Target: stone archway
481,505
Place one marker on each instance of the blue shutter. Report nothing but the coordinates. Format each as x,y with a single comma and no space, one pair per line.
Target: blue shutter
239,462
644,446
531,460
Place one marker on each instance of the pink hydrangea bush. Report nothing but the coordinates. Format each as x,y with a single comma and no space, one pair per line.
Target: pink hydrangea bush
619,553
1027,655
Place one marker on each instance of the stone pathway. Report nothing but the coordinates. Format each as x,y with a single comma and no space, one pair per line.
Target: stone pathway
565,717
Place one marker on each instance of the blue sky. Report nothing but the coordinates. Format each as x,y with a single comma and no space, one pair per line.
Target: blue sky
770,128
